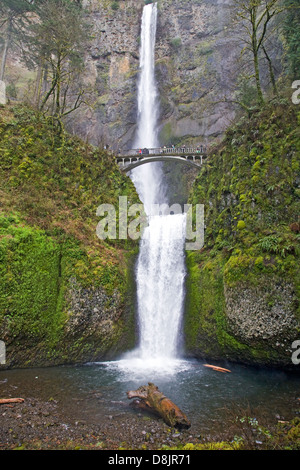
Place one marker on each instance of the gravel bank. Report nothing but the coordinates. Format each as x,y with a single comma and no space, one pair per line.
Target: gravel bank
36,424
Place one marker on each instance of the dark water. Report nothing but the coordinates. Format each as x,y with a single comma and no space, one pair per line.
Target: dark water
209,398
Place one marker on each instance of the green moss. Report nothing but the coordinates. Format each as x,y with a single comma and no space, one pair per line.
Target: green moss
208,446
205,319
51,186
203,309
241,224
249,190
166,133
30,272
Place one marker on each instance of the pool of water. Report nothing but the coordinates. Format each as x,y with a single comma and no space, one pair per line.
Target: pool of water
95,391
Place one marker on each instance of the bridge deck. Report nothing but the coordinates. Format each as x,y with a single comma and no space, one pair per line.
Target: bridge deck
160,151
136,157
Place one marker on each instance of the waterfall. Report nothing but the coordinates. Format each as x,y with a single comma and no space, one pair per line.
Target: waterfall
148,179
160,287
160,268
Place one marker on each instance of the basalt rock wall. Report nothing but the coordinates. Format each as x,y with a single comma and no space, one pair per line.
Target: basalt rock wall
242,299
197,67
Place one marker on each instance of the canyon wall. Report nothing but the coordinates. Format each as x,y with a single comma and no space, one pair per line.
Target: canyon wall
199,71
197,67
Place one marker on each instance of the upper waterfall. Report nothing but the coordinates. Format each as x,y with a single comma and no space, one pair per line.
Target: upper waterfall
147,92
148,181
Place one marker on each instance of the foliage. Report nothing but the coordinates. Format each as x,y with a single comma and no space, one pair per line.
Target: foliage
255,18
15,20
58,40
249,190
52,36
176,43
248,433
252,435
57,182
29,270
219,445
291,30
279,244
115,6
51,186
251,183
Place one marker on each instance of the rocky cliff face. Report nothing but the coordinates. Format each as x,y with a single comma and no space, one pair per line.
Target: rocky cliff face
111,72
196,66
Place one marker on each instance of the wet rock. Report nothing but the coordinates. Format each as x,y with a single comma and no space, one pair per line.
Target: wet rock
254,316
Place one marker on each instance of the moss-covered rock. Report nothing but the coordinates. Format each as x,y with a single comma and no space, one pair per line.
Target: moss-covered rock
65,295
243,287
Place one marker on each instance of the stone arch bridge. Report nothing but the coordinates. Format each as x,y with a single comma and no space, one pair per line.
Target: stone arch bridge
135,157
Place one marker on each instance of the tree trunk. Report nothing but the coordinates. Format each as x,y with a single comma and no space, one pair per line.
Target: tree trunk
257,79
255,48
38,86
157,401
3,401
58,87
271,71
220,369
6,45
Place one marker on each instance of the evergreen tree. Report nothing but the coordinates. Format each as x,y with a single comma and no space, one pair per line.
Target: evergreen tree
14,22
57,47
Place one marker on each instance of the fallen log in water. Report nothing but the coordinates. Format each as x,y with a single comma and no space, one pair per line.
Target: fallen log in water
4,401
220,369
157,401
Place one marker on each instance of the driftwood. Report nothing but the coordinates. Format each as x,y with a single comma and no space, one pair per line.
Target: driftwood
158,402
3,401
220,369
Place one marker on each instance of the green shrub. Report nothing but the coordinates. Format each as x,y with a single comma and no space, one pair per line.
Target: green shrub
115,6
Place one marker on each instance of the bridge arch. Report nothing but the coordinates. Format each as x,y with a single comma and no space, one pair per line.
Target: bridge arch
134,158
128,166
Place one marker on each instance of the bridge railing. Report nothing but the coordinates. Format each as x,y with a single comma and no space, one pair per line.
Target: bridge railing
201,149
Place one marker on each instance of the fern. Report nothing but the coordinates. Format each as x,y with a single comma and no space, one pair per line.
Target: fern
270,244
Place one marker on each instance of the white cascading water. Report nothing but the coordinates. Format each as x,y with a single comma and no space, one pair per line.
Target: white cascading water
148,178
160,268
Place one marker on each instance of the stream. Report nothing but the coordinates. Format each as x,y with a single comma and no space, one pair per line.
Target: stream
95,392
